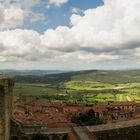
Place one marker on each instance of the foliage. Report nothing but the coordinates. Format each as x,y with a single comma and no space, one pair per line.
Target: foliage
86,119
107,77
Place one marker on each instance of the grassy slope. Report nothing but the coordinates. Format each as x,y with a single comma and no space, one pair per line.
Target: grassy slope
83,86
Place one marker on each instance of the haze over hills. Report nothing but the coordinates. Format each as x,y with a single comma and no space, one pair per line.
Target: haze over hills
104,76
29,72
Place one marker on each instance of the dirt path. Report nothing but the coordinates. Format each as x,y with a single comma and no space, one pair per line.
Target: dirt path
119,87
129,98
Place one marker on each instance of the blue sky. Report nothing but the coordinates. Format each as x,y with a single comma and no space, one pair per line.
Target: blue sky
69,34
58,16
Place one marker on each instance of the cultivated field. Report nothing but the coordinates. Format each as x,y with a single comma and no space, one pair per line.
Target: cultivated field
81,92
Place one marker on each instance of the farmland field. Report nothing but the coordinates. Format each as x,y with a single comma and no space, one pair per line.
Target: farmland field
82,86
81,92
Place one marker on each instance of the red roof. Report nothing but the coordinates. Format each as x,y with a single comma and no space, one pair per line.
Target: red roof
122,104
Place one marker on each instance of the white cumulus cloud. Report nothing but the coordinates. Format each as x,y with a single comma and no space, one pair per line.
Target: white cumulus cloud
14,13
75,10
11,16
57,2
106,33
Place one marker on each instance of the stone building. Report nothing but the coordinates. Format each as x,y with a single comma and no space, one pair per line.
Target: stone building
6,87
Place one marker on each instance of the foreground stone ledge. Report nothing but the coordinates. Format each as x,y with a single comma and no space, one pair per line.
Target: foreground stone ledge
128,130
112,126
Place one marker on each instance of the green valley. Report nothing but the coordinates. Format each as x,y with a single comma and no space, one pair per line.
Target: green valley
82,86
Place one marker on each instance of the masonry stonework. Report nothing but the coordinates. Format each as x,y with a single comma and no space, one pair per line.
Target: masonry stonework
6,87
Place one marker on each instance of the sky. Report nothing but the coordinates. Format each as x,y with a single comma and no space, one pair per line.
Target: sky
70,34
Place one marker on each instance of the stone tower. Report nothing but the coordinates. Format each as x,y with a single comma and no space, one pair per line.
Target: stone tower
6,87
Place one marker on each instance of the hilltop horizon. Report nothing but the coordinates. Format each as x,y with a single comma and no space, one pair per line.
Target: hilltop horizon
39,69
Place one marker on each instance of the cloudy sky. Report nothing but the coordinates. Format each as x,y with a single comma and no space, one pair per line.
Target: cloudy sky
69,34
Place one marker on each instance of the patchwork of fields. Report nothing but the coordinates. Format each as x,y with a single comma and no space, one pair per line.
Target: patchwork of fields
81,91
90,86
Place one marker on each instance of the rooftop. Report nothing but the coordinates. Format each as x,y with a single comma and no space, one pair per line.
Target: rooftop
122,103
112,126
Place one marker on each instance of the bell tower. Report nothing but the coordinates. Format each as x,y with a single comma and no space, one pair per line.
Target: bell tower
6,89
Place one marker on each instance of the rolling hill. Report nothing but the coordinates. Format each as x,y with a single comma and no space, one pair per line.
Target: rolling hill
29,72
82,86
111,77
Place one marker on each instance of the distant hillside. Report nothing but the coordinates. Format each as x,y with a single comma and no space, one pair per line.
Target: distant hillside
29,72
111,77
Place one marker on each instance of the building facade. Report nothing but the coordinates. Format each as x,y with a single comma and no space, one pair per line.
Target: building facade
6,87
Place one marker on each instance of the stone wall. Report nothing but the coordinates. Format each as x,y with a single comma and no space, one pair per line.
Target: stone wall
6,87
129,130
20,131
